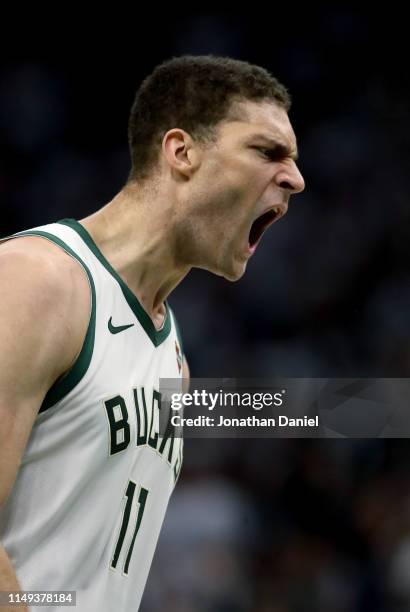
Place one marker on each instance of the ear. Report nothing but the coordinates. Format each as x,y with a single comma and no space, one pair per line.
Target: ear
180,152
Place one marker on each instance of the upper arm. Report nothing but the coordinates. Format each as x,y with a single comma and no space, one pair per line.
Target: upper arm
37,341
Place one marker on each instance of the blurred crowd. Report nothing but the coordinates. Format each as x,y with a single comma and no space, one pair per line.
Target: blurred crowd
285,526
262,525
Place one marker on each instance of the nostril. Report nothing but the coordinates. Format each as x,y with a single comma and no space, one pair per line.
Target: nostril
286,185
294,187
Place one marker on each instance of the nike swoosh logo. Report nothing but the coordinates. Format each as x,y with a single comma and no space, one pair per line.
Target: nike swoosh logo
116,329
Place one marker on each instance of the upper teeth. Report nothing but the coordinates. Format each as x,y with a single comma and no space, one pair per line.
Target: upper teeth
276,210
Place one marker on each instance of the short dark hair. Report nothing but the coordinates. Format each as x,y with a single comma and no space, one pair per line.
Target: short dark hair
193,93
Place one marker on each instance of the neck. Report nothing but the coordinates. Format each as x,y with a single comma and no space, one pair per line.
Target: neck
137,233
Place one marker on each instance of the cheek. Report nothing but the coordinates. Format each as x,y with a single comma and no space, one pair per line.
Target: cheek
220,201
226,196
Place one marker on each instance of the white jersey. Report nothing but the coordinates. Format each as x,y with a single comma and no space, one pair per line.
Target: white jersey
89,500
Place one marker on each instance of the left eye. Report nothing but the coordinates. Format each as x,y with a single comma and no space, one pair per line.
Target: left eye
268,153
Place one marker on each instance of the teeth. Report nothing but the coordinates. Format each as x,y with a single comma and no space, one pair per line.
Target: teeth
276,210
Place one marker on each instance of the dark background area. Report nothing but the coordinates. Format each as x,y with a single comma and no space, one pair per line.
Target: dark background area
255,525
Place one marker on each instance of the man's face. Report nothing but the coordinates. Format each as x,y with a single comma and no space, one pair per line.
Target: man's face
243,185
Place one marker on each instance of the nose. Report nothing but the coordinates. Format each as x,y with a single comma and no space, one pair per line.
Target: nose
291,179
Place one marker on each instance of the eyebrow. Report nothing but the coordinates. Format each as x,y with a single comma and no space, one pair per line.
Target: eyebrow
277,147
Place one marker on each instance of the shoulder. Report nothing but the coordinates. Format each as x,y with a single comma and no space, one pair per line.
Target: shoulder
47,296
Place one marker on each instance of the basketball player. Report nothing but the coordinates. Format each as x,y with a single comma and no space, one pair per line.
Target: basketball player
86,332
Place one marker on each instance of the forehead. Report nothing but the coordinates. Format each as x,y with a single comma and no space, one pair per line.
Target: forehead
258,120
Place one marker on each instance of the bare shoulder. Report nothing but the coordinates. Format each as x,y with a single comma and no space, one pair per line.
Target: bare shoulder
46,304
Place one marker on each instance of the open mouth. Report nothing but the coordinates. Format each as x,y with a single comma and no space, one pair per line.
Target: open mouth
260,225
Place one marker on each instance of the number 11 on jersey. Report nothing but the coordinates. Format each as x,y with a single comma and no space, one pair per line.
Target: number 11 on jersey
142,498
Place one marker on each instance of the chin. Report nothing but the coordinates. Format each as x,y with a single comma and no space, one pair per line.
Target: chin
232,272
235,273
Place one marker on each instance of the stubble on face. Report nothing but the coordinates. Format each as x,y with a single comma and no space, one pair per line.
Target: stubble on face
231,186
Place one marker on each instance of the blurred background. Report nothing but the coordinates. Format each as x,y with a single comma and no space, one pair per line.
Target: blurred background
255,525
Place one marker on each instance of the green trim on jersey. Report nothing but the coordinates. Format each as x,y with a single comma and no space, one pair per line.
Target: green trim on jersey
64,385
156,337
